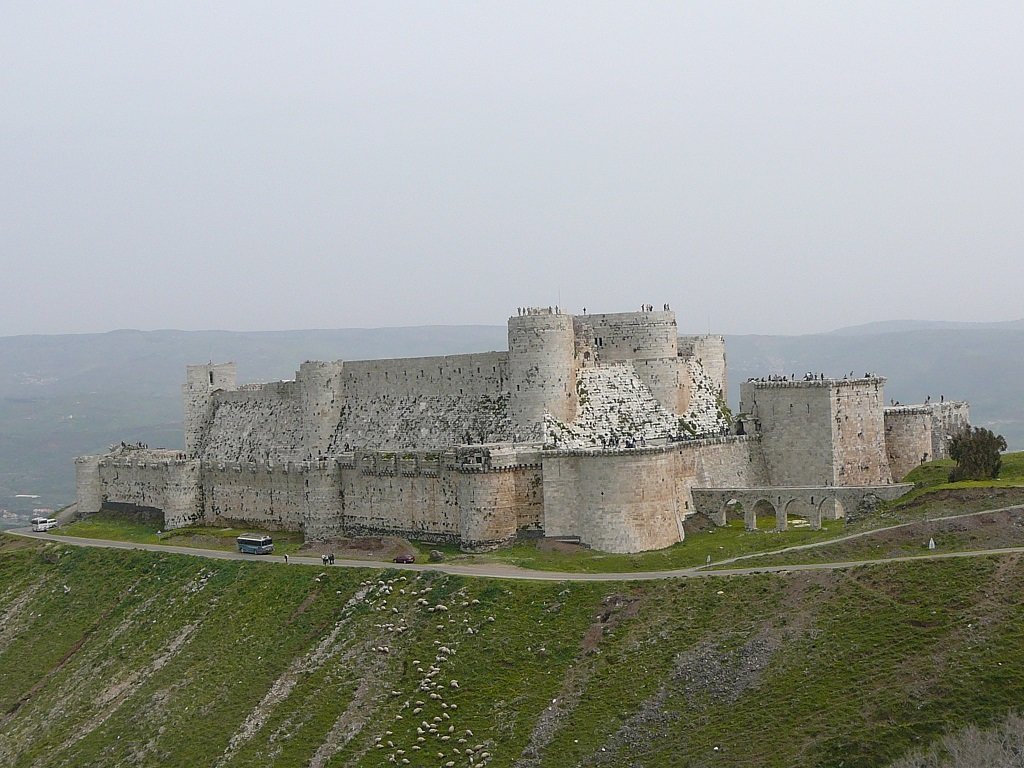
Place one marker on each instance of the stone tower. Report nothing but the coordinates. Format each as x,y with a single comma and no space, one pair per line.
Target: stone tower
201,381
821,431
542,370
322,391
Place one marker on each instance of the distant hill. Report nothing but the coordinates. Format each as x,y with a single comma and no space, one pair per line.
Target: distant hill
983,366
62,396
896,326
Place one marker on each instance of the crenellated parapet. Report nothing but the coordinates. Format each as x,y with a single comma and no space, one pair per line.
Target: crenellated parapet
592,426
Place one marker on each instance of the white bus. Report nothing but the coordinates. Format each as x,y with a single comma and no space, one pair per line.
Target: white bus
255,544
43,523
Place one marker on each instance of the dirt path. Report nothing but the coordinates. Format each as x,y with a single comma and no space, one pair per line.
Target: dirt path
495,571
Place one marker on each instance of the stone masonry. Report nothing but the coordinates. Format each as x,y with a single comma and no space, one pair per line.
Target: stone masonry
604,429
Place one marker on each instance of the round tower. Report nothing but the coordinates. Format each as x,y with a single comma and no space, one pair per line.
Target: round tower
542,370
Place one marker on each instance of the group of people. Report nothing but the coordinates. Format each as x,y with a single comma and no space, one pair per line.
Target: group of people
525,311
326,559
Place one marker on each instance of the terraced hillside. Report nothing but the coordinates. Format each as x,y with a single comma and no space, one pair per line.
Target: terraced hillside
120,658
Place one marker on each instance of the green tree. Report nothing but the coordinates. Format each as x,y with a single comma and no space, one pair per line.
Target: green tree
976,452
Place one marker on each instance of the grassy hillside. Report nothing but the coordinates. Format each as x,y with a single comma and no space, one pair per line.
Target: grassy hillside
129,658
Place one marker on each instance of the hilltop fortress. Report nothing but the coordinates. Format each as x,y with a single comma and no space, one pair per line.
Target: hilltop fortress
606,429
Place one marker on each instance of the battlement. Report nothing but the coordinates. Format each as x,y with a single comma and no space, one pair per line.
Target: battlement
595,426
661,447
781,382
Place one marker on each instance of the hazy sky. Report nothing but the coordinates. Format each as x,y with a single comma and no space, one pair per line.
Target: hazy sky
775,167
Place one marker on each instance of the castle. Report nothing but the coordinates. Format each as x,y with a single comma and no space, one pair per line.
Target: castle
607,429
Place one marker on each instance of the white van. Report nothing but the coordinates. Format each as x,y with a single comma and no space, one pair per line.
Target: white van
43,523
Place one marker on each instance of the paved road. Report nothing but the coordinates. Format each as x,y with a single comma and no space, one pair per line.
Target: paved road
497,571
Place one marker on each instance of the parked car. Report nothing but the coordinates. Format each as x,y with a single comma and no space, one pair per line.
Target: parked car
405,559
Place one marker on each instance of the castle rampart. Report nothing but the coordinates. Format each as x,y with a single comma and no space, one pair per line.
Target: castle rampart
201,381
587,491
593,427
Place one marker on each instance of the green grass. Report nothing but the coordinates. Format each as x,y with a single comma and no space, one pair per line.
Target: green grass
934,476
728,541
153,659
933,497
119,527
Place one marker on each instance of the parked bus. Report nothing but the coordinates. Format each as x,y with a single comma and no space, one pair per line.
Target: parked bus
43,523
253,544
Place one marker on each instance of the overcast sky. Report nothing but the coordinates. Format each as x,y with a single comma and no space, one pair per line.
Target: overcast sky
765,167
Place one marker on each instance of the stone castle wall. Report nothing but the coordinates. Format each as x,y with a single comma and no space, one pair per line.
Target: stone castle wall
591,426
636,499
858,433
201,381
542,371
948,418
278,497
262,425
649,340
918,433
908,437
155,479
795,420
430,402
624,336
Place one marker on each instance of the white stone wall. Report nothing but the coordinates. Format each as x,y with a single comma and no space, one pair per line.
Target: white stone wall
822,431
616,407
321,389
262,425
420,505
424,403
795,421
948,418
201,381
494,506
921,432
88,488
156,479
733,462
908,438
625,336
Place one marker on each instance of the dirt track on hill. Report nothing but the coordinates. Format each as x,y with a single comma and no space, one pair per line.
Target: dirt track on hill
494,571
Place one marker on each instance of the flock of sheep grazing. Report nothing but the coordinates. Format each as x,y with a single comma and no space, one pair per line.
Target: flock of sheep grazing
438,741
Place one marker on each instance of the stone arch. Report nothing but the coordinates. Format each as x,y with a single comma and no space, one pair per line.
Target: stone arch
830,508
762,507
731,509
799,506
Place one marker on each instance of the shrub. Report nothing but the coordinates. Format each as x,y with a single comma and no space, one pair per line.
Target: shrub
976,452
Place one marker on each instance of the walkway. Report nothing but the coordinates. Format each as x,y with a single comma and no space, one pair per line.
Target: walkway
498,571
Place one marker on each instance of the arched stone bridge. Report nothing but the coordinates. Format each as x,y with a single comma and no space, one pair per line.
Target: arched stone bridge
816,503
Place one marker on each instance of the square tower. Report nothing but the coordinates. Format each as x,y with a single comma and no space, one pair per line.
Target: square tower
820,431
